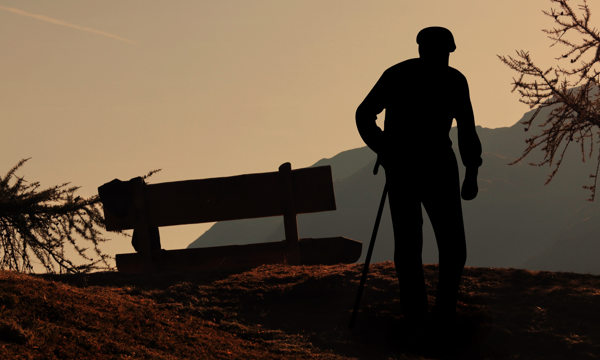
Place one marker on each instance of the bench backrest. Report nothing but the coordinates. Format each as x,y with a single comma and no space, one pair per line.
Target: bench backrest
231,198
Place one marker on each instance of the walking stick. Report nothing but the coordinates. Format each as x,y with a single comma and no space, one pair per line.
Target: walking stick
369,252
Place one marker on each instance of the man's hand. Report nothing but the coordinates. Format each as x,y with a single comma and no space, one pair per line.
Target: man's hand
469,187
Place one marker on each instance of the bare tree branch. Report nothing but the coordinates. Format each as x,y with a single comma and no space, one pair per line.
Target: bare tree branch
571,91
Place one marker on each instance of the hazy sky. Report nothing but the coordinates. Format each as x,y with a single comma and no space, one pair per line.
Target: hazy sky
97,90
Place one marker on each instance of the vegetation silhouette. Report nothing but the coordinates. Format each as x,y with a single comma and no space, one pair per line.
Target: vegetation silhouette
37,225
571,91
421,97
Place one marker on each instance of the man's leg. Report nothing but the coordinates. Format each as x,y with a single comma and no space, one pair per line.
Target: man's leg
444,209
407,223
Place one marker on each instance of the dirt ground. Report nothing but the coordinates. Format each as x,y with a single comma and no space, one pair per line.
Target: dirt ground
292,312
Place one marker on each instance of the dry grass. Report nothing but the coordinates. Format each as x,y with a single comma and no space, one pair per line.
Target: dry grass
288,312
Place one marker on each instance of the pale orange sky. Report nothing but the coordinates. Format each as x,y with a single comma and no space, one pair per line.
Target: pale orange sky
98,90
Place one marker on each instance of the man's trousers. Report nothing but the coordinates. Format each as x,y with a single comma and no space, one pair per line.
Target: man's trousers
434,182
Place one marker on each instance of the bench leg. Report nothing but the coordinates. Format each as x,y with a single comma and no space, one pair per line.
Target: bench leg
141,229
290,223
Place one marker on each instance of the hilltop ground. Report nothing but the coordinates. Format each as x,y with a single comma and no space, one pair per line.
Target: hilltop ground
289,312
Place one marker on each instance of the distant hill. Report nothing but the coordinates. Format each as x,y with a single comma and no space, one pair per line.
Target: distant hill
515,221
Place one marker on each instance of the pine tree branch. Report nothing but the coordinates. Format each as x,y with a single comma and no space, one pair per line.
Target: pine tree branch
38,224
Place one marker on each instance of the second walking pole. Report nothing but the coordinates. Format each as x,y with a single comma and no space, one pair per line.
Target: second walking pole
369,252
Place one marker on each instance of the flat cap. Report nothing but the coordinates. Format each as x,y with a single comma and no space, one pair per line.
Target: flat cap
438,37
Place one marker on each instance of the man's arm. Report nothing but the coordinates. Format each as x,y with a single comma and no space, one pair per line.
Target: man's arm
366,115
468,142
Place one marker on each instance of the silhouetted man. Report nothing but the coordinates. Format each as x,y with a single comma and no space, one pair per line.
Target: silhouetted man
421,97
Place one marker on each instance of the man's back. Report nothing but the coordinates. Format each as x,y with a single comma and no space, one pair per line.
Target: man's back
420,99
420,104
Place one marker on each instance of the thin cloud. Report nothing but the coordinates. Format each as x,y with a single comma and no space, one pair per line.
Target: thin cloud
60,22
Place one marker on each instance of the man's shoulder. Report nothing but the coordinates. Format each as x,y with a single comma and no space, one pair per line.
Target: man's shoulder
412,68
457,75
403,66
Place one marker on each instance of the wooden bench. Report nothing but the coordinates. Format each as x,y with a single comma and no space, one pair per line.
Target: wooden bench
144,208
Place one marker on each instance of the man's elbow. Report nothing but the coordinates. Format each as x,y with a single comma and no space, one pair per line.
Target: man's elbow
360,114
365,116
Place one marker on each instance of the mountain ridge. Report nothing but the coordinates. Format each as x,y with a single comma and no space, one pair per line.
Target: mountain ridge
516,220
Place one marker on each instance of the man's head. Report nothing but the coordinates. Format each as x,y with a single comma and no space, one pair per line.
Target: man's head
437,38
435,44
